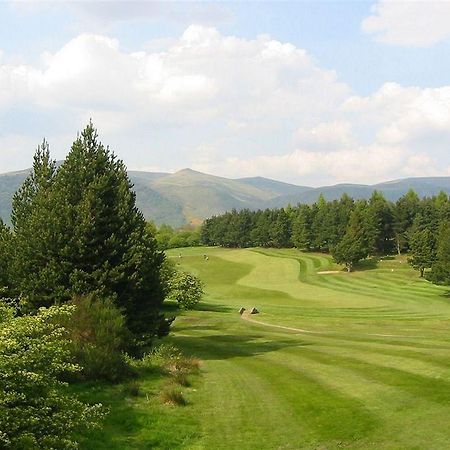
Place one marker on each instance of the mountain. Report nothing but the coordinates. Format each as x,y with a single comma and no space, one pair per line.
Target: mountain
188,196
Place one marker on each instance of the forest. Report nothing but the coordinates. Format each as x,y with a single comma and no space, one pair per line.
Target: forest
350,230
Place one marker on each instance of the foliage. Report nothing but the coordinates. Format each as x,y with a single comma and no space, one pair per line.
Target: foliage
99,338
423,253
5,239
186,289
35,410
440,272
167,272
77,231
353,246
167,237
323,226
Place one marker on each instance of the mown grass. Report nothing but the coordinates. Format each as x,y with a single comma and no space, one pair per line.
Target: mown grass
370,370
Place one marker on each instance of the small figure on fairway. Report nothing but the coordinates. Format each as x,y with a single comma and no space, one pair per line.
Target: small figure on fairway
254,311
242,310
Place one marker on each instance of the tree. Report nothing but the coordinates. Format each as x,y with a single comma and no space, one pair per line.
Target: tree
440,272
301,228
5,239
78,231
353,246
379,222
186,289
423,253
405,210
35,410
280,230
34,265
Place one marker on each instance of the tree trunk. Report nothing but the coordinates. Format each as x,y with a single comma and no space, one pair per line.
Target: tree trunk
422,270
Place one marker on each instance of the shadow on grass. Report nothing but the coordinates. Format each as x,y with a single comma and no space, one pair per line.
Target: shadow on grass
367,264
213,308
122,419
226,346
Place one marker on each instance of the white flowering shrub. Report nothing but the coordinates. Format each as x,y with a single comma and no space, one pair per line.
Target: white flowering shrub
35,410
186,289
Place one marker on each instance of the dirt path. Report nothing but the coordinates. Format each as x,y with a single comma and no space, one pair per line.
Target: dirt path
248,318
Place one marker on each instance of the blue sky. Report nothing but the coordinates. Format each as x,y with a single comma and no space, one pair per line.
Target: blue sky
306,92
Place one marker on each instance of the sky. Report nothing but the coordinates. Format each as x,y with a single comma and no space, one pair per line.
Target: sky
307,92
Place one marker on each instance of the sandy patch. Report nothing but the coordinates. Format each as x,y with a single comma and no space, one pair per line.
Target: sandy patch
326,272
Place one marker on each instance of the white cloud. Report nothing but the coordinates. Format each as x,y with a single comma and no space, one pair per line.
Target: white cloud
409,23
230,106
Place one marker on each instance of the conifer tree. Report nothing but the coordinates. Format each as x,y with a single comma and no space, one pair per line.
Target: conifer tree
34,263
406,208
423,253
353,247
301,228
5,240
78,231
440,272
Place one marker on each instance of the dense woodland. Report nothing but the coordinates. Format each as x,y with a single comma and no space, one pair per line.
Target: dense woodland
351,230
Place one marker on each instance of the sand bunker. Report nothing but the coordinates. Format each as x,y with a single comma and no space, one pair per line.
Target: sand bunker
326,272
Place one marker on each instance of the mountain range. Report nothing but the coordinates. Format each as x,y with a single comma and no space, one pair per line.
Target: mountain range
188,196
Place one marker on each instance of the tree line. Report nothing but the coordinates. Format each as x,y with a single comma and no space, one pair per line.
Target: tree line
349,229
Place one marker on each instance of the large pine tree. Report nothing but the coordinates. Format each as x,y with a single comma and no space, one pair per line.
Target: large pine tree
78,231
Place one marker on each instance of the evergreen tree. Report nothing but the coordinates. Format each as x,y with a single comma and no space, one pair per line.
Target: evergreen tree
301,228
405,210
34,262
78,231
423,253
321,224
353,247
280,231
440,272
379,224
5,240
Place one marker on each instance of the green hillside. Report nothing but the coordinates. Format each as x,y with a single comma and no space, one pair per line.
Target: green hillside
188,196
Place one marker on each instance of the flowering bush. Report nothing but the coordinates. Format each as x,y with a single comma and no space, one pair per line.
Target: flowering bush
35,410
186,289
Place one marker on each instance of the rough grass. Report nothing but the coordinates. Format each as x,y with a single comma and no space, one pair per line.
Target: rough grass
371,370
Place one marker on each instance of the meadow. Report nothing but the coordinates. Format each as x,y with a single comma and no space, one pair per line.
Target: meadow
333,360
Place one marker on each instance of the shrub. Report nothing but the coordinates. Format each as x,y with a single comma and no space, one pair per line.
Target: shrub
99,338
35,410
186,289
181,378
172,396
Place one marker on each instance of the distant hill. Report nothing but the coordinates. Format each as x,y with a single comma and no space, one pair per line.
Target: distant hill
188,196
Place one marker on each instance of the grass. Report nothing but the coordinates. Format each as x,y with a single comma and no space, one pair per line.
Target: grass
362,363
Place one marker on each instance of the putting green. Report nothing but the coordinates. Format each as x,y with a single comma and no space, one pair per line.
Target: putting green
338,360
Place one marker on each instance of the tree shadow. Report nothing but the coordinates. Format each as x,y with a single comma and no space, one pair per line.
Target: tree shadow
212,307
367,264
227,346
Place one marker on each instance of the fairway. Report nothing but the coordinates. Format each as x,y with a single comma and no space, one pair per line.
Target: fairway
333,360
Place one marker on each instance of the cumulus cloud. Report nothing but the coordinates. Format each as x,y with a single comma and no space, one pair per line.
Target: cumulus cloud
230,106
409,23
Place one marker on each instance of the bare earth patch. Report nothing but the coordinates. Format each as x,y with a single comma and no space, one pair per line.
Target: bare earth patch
326,272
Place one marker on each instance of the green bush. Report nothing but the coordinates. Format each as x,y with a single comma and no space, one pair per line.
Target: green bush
186,289
99,338
35,411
